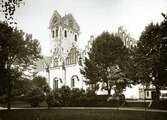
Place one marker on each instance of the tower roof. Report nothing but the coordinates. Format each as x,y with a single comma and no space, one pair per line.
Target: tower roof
67,21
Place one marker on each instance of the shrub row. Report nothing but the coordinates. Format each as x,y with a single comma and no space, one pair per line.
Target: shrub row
65,97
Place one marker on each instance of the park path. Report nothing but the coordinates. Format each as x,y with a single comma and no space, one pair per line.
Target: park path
100,108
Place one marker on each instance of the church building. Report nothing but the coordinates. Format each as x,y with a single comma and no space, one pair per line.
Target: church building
62,67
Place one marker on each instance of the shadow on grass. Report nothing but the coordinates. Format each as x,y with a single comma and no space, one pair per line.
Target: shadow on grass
80,114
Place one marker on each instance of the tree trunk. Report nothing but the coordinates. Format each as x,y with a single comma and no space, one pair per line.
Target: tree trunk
108,89
8,75
157,93
9,93
109,92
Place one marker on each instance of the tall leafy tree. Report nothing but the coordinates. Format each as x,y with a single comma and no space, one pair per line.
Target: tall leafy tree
18,52
105,62
150,56
163,50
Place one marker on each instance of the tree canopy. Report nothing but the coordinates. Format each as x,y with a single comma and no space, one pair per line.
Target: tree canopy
150,56
8,7
18,53
105,62
17,48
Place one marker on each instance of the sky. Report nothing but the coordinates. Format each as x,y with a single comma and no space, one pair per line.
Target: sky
93,16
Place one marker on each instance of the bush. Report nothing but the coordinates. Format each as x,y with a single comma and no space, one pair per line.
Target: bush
59,97
35,97
50,99
162,104
65,95
116,100
53,99
76,96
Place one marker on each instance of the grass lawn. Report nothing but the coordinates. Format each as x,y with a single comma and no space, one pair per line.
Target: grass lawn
80,114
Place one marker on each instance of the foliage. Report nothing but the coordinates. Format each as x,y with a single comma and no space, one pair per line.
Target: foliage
79,98
59,97
8,7
12,74
41,83
53,99
21,87
90,92
35,96
150,56
18,52
65,95
107,55
38,89
76,97
116,100
163,50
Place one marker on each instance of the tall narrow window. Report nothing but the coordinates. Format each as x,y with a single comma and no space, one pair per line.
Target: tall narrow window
65,33
53,34
57,32
76,38
55,84
72,82
147,93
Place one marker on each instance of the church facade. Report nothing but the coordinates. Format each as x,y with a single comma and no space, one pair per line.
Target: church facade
62,67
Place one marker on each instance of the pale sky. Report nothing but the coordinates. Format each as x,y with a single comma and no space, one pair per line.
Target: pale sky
93,16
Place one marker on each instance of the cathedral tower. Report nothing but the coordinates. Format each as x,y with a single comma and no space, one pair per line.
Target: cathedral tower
64,34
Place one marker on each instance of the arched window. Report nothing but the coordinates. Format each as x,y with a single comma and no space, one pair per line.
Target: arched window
67,61
65,33
53,34
76,38
57,32
55,84
72,82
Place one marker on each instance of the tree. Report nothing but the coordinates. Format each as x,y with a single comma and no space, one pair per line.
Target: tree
41,83
163,50
39,89
35,96
18,52
150,56
8,7
106,56
21,87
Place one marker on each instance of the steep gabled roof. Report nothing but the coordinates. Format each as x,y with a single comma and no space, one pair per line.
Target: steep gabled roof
71,22
55,15
67,20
